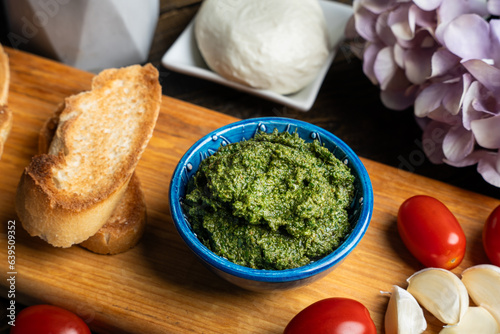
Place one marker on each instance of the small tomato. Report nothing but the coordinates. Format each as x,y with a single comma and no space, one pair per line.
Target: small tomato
491,236
48,319
332,316
431,232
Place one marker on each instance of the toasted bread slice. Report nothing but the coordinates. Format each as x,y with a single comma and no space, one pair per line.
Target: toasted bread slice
67,195
5,113
124,229
5,126
4,77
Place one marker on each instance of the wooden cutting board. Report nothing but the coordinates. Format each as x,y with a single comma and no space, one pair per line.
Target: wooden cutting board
159,286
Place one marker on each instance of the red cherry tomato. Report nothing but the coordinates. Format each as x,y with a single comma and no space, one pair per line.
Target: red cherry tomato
332,316
431,232
45,319
491,236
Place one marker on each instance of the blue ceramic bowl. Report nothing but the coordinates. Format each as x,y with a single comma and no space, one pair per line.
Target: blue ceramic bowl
256,279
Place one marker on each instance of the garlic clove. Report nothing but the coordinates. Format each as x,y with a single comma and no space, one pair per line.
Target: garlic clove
441,293
476,320
483,283
404,315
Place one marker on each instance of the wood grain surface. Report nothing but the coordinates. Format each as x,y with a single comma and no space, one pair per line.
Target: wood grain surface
159,286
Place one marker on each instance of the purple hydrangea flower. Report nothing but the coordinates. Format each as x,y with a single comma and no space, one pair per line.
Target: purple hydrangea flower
443,58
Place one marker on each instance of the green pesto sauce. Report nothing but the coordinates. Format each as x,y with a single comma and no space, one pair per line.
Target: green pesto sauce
271,202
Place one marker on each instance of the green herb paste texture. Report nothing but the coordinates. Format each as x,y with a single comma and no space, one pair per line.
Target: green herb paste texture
271,202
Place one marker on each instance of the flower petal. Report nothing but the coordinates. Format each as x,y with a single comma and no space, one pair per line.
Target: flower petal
429,99
469,160
423,18
468,112
485,73
422,39
417,64
401,23
428,4
485,103
495,39
399,55
398,99
369,56
364,21
442,115
451,9
442,62
378,6
399,82
494,7
384,67
486,131
480,7
384,32
489,168
466,83
467,36
458,143
453,97
488,165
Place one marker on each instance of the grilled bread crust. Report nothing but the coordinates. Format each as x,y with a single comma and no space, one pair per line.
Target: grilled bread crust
5,126
4,77
67,195
5,113
124,229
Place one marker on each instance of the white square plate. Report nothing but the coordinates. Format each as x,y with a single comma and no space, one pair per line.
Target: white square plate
184,57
